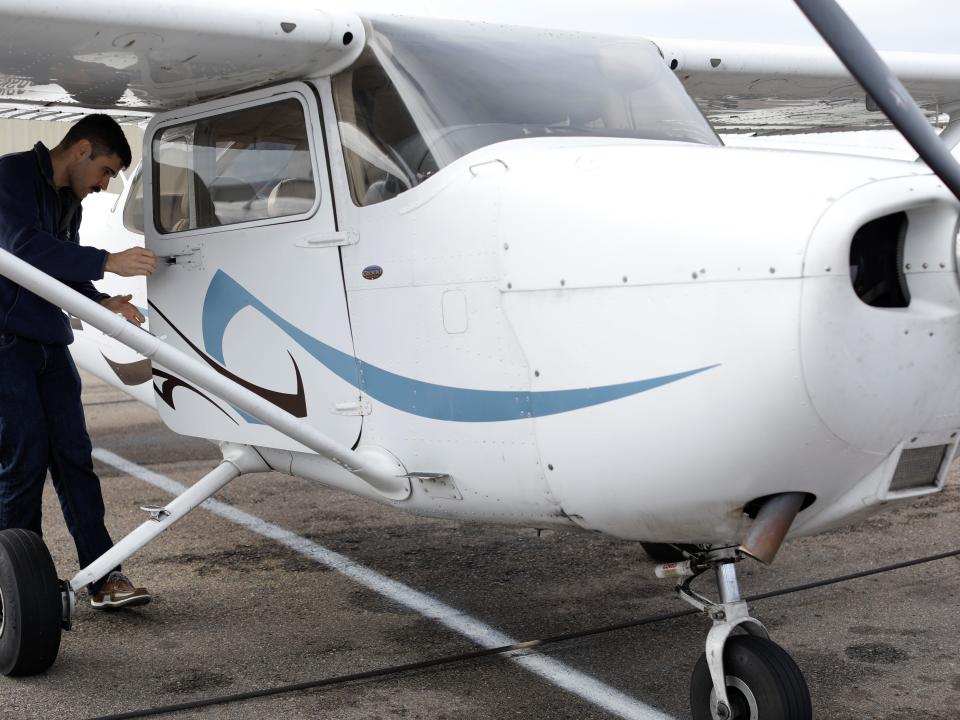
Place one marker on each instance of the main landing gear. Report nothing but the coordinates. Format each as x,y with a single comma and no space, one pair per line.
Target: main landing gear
743,676
34,605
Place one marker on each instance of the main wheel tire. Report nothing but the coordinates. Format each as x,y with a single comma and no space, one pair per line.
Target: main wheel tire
763,683
31,607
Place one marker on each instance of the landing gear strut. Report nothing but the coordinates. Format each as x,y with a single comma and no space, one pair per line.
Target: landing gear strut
740,677
35,606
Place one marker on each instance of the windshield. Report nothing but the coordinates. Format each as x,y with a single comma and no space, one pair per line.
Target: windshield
423,95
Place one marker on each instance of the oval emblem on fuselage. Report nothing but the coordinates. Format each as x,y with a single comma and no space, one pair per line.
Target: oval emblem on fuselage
372,272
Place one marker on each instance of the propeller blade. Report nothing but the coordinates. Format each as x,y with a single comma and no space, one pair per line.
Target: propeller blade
863,62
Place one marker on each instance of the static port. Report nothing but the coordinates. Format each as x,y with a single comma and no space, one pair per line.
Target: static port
876,262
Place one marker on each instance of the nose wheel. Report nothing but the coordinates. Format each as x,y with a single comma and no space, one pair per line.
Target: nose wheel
762,683
31,604
743,676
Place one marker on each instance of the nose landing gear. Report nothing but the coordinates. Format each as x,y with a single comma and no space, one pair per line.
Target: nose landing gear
740,677
762,681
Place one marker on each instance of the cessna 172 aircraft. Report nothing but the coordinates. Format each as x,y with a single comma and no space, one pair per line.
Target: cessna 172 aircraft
496,273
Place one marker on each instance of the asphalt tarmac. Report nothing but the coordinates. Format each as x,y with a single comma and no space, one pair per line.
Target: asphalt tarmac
237,609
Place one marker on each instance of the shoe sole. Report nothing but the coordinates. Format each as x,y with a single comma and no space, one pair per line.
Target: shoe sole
115,604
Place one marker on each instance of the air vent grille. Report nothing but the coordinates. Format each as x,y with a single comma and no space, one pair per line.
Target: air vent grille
918,468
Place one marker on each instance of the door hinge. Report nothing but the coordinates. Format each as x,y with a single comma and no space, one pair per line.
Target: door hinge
354,407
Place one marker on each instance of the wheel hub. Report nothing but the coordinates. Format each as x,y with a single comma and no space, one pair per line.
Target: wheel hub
1,612
743,703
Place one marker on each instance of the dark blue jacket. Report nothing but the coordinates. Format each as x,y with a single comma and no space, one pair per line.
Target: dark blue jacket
40,224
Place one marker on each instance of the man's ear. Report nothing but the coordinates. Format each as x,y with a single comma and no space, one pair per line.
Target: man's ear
82,149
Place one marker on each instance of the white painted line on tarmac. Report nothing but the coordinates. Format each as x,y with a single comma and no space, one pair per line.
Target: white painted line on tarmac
553,671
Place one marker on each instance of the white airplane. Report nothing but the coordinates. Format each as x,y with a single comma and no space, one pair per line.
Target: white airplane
496,273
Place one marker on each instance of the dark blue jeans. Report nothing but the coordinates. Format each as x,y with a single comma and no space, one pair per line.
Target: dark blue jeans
42,426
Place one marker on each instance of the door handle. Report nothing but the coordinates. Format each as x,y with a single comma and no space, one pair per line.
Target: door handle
189,256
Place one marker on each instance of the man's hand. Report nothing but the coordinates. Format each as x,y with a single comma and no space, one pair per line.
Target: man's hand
135,261
121,304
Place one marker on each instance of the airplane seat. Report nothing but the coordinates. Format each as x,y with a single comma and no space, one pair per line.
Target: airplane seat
168,210
230,199
377,192
205,213
381,190
293,196
179,214
390,121
169,196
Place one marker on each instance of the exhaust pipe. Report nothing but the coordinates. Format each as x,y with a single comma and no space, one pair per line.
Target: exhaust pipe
774,519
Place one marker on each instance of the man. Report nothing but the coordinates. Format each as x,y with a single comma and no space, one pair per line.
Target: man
41,418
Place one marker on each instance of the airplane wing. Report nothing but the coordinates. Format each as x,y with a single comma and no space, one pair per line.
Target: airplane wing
105,54
783,88
153,56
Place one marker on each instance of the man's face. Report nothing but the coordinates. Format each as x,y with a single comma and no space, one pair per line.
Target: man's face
89,173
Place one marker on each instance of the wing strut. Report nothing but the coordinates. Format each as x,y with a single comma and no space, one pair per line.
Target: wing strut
863,62
237,460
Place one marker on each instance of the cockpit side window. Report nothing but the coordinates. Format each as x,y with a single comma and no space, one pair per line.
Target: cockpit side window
424,94
374,126
234,167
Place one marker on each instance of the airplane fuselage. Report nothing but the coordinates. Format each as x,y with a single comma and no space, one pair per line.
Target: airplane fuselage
560,328
552,296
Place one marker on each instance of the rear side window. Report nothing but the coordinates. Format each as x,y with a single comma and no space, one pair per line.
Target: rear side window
133,208
235,167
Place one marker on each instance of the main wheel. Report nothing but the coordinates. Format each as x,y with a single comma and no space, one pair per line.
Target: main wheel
763,683
31,607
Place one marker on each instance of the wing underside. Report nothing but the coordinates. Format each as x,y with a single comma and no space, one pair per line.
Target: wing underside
67,113
782,89
141,56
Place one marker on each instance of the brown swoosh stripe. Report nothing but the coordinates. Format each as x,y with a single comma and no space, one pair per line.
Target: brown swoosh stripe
172,382
293,403
134,373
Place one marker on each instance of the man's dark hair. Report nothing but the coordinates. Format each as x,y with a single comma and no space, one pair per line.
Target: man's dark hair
105,136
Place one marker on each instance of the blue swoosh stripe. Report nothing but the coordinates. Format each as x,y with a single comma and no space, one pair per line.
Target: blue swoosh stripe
226,297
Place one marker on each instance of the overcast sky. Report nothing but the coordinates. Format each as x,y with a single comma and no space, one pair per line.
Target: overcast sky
919,25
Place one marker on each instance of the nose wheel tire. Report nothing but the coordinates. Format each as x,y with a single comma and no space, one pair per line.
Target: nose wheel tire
763,683
31,606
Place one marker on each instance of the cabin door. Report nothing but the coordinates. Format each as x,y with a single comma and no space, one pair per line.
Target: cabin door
239,210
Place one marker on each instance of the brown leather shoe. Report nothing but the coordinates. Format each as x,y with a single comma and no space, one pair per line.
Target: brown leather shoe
118,592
